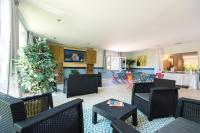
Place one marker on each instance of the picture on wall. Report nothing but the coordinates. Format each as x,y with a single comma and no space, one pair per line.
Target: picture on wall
142,60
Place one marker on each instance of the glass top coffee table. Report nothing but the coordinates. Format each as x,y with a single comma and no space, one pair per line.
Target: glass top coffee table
113,113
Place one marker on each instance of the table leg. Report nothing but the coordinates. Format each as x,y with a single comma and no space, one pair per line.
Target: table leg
94,117
134,118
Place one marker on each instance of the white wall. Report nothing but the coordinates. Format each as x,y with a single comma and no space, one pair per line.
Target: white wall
183,48
99,59
151,57
152,54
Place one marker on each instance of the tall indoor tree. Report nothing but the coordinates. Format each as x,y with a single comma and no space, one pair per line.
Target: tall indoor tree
36,67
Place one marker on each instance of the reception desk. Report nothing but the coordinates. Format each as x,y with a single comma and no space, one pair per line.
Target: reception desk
190,80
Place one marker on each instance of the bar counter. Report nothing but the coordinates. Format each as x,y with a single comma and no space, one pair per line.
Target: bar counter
191,80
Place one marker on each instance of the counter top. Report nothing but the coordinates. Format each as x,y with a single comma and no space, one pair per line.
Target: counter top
181,72
184,79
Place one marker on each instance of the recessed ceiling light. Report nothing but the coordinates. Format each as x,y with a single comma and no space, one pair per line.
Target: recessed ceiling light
58,20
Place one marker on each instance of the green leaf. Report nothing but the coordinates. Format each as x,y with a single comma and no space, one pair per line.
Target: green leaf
36,67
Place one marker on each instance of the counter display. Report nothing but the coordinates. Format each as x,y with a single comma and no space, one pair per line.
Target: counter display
184,79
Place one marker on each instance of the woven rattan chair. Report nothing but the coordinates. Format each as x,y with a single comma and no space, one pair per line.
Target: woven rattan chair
187,120
157,99
37,115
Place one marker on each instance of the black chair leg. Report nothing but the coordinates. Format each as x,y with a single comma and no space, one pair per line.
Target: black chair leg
150,118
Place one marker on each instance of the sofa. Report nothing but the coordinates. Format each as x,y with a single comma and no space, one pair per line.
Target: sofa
81,84
36,114
155,99
187,120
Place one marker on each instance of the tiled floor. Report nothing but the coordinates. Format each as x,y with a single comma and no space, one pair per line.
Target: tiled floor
109,90
122,92
114,90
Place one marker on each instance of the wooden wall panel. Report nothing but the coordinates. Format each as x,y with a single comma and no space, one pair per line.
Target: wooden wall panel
74,64
91,57
58,53
178,62
166,65
61,57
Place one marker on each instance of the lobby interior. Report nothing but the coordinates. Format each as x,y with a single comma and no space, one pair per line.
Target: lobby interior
61,61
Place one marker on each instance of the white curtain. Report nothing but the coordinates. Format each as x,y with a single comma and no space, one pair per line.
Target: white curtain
9,39
112,60
104,60
112,53
30,37
159,59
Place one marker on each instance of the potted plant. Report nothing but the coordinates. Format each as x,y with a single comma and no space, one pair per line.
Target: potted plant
129,62
74,72
36,67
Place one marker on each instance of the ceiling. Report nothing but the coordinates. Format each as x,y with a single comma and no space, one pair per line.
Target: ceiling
118,25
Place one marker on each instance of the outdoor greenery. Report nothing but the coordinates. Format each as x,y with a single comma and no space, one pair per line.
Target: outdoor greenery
190,68
36,67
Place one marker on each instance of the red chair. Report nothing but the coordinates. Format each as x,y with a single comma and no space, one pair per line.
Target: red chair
129,78
159,75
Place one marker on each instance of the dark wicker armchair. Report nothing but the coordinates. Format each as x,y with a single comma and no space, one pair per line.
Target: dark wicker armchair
157,99
37,115
82,84
187,120
189,109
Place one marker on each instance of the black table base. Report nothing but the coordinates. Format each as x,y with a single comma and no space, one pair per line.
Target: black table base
113,113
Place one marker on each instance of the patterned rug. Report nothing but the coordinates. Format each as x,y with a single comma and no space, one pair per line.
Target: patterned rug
103,125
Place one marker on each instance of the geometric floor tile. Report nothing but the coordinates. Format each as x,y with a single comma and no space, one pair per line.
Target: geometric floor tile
103,124
146,126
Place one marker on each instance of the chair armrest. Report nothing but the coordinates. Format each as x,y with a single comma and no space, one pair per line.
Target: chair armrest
159,89
120,126
50,118
177,87
142,87
189,109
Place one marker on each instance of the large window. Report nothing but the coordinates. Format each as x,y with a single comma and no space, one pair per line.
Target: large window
22,35
116,63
